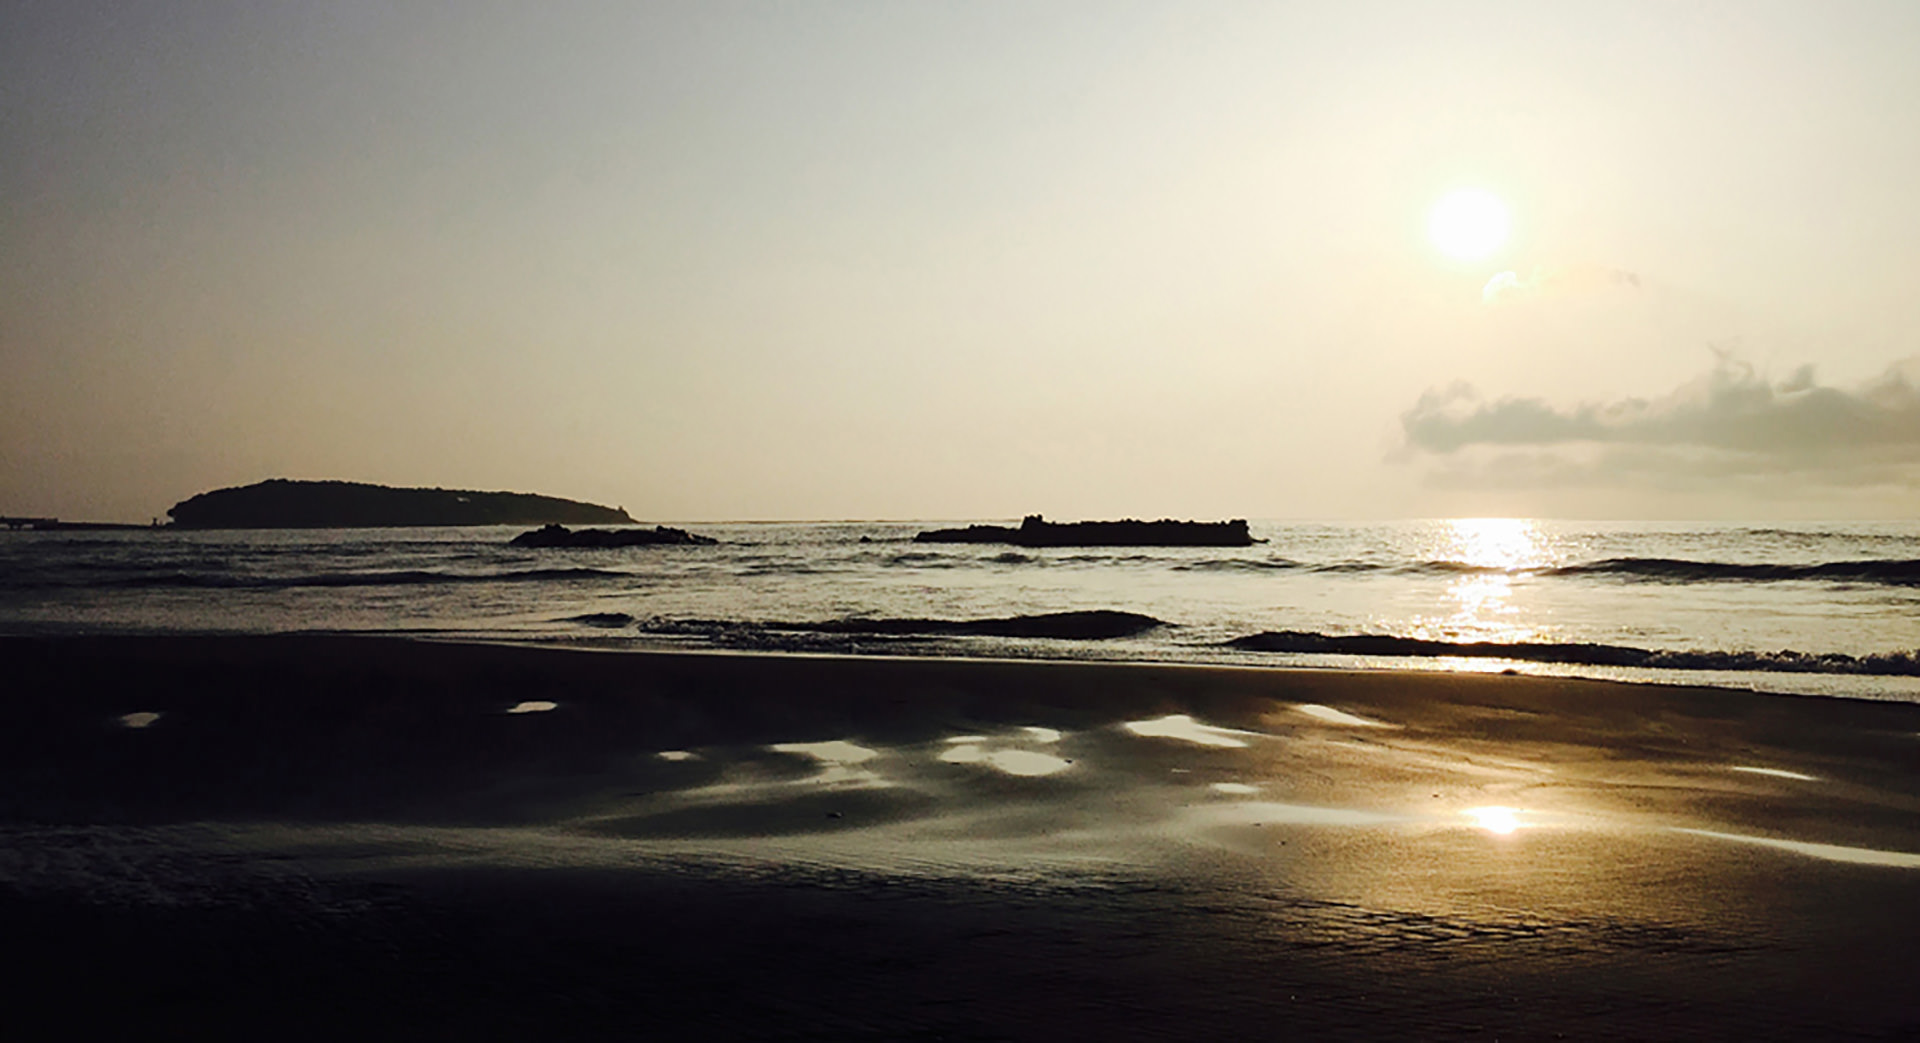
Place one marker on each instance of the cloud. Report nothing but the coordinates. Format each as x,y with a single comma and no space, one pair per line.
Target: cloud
1732,409
1579,278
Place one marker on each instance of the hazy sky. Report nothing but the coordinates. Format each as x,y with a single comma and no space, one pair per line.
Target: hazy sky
711,260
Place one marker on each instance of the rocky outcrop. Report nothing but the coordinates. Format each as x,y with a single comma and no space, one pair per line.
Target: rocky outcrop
280,503
561,536
1035,531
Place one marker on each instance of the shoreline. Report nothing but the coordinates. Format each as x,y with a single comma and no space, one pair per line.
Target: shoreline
423,837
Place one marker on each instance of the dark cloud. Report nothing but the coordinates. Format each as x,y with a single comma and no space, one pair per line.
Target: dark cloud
1731,410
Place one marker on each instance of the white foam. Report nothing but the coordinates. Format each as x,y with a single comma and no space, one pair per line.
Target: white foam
137,720
533,706
1039,734
677,755
1235,788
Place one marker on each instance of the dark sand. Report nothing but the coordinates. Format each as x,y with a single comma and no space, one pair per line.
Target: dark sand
324,837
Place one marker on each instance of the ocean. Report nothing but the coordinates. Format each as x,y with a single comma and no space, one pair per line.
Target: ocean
1804,608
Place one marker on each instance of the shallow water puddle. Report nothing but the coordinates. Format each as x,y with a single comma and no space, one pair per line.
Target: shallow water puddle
1329,715
836,751
677,755
1039,734
1025,763
137,720
838,760
1829,852
533,706
1268,813
1778,773
1184,728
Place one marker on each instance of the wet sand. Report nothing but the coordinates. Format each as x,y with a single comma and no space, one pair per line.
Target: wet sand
305,837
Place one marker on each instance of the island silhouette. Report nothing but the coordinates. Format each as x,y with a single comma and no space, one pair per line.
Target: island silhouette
281,503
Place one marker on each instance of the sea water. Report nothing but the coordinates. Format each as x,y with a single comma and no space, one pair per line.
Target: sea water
1827,609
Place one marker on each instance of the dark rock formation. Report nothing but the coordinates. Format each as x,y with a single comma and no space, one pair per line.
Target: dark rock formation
602,620
561,536
1087,625
280,503
1036,531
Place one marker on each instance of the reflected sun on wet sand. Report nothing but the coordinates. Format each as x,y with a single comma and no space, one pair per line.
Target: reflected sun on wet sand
1496,820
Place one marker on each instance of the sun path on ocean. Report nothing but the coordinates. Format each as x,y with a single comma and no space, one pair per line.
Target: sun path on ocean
1469,224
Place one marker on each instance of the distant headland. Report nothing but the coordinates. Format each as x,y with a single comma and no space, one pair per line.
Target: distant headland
281,503
1036,531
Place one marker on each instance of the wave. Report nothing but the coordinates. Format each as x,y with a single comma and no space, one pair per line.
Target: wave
1888,572
402,578
1892,572
1902,664
1084,625
1239,565
602,620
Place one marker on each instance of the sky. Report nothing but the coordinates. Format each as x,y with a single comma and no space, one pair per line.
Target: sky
720,260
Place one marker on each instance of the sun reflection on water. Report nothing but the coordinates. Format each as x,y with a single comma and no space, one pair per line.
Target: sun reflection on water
1482,607
1496,543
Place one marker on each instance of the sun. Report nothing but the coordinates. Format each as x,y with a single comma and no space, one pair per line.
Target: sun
1469,224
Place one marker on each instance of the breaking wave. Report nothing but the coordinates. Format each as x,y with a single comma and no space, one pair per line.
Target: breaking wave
1902,664
1087,625
1894,572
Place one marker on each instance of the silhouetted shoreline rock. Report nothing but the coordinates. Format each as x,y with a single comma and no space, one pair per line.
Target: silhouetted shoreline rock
1086,625
1035,531
561,536
281,503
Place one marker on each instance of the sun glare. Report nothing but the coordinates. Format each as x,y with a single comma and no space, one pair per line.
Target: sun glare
1500,821
1469,224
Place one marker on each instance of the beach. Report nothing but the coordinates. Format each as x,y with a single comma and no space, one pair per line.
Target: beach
307,836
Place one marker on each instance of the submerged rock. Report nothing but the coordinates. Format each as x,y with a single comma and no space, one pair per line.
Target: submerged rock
1035,531
561,536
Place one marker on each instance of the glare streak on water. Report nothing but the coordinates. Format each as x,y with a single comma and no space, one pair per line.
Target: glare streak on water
1814,588
1778,773
1828,852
